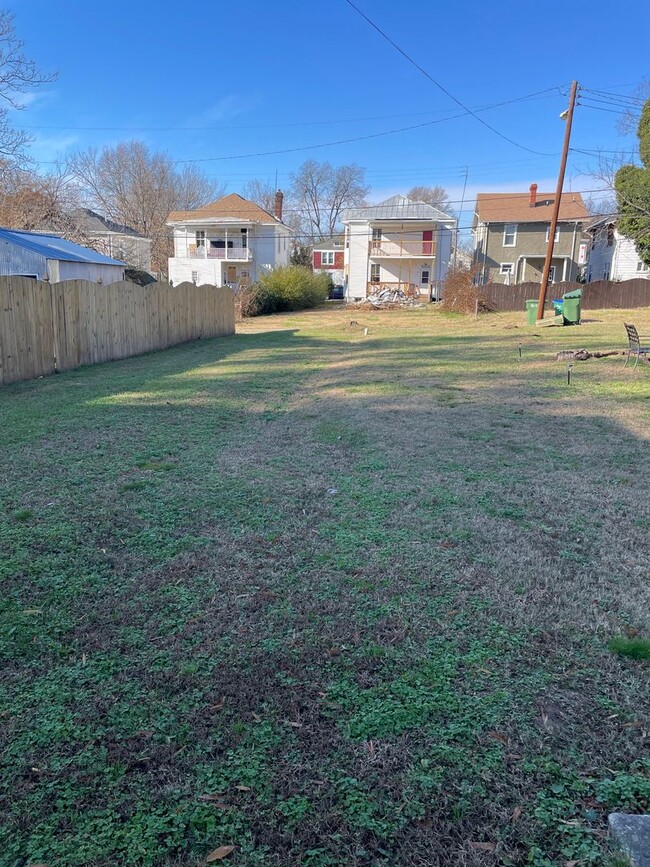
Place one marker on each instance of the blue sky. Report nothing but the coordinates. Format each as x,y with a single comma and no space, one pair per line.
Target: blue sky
217,80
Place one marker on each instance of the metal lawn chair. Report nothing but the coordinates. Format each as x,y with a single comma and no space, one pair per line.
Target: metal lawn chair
634,344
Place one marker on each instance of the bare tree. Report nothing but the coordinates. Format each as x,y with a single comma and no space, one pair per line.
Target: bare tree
262,193
436,196
135,187
34,202
321,192
18,75
629,120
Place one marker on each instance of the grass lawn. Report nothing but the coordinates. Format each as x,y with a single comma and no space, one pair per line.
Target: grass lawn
327,598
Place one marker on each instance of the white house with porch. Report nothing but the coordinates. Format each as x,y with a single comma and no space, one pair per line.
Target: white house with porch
398,244
231,241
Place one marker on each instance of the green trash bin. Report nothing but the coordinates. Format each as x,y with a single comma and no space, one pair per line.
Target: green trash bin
531,311
571,307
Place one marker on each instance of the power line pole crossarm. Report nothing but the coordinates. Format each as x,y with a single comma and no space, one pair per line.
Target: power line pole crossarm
556,204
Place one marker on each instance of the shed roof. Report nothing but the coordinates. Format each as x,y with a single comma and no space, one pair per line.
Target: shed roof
231,207
515,207
52,247
398,208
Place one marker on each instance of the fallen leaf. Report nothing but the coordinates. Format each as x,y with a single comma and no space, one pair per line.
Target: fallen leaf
214,799
219,854
218,705
334,651
498,736
296,725
425,824
516,813
484,847
243,788
571,863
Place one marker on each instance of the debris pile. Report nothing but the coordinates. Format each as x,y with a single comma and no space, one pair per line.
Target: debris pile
389,298
584,355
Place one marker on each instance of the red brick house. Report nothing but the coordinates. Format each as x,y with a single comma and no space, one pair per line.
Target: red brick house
327,257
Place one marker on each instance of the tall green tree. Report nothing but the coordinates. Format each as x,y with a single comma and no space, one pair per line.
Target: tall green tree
632,185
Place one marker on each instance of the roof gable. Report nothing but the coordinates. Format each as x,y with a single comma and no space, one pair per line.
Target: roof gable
232,207
398,207
516,207
91,221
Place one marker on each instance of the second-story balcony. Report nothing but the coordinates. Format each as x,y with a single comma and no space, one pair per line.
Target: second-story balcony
219,250
388,249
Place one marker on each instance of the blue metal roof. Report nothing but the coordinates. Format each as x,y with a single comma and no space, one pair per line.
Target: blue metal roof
53,247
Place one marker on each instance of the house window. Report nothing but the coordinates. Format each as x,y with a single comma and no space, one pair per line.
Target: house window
376,235
610,236
509,234
507,269
641,266
557,233
327,257
200,237
244,238
425,277
374,273
551,274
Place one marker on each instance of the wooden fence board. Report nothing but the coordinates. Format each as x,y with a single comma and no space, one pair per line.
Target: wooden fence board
46,327
597,295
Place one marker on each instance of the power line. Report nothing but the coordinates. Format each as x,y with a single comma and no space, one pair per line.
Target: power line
363,137
441,87
543,94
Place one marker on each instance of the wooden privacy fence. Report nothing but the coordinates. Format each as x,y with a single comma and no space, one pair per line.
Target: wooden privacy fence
46,327
596,295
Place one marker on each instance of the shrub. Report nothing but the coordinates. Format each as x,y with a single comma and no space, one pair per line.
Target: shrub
460,295
292,288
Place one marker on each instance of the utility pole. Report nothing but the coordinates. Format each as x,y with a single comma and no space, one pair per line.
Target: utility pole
556,204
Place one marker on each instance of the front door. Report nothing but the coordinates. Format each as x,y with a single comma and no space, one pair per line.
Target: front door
231,275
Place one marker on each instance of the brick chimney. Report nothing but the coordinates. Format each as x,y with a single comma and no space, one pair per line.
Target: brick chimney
532,200
279,198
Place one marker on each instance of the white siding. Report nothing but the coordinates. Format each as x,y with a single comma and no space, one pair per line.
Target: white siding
626,259
443,259
359,237
93,271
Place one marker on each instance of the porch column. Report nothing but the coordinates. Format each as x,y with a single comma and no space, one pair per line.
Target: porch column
522,278
226,248
564,271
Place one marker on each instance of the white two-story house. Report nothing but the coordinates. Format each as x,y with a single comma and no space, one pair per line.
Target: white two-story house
229,242
397,244
612,256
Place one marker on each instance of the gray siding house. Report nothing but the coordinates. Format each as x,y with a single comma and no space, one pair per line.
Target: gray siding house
114,240
511,236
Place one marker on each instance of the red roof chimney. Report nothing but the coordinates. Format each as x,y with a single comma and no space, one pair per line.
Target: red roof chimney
533,195
279,198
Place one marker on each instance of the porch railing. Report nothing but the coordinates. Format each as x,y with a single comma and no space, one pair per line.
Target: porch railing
235,252
396,249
